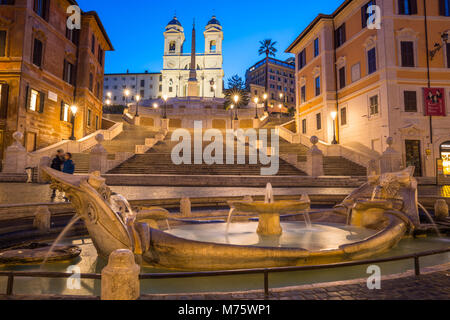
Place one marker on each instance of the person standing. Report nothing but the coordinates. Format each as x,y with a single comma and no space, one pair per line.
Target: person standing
69,165
57,164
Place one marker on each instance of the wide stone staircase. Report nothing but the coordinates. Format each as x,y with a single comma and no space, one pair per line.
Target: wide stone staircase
158,161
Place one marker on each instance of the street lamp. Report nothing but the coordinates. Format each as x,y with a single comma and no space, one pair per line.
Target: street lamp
165,98
138,98
280,106
74,110
126,92
333,116
155,106
236,100
109,94
215,88
439,46
265,101
256,107
281,97
232,109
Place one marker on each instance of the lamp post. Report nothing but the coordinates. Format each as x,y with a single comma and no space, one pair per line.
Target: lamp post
236,100
74,110
165,98
265,101
439,46
138,98
126,93
256,107
333,116
232,109
215,88
280,106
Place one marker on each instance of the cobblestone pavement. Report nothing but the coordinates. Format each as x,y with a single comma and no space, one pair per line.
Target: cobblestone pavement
431,286
17,193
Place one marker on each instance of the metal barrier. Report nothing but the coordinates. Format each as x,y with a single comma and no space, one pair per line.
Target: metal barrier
264,271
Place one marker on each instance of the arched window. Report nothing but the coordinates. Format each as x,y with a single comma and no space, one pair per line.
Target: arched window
172,46
212,46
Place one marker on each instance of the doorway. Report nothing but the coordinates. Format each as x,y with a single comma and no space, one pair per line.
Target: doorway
30,141
412,151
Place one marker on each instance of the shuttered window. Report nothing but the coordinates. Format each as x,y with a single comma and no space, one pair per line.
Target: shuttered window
38,49
2,43
410,98
42,8
4,91
407,7
342,78
371,61
407,51
340,36
444,8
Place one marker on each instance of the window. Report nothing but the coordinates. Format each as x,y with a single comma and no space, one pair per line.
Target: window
212,46
303,94
36,100
407,52
342,78
96,122
69,73
4,90
444,8
343,116
364,15
42,8
7,2
100,55
448,55
99,91
316,47
172,46
371,61
37,52
89,117
407,7
373,105
410,99
91,82
356,72
2,43
302,59
64,116
317,81
142,83
340,36
73,35
304,126
319,121
93,44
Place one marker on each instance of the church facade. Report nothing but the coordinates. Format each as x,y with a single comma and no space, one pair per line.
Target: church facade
177,70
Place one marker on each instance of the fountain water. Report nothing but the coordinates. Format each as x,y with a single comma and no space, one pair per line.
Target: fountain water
430,218
61,236
269,194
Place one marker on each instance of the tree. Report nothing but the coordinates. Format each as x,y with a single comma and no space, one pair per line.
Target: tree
267,47
236,86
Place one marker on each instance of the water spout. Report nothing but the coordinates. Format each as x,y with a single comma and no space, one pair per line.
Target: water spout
269,194
61,236
307,220
430,218
229,218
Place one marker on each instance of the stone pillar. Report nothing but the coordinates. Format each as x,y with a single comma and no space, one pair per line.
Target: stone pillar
42,219
441,210
15,156
235,124
390,160
43,162
165,124
314,159
137,121
98,160
185,207
120,278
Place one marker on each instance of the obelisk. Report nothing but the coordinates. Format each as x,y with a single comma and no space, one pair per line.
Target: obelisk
193,89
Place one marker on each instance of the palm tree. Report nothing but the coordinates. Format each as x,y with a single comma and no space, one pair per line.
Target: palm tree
267,47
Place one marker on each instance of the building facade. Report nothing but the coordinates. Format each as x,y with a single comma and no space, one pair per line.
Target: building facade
374,79
177,64
45,69
147,85
281,83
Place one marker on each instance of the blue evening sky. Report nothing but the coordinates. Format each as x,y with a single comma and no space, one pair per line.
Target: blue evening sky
136,28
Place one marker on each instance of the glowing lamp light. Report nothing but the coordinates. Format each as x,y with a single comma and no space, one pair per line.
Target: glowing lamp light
126,92
155,105
265,96
236,98
333,115
74,110
256,100
138,98
165,97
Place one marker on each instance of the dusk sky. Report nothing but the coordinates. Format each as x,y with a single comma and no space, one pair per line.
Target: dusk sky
136,28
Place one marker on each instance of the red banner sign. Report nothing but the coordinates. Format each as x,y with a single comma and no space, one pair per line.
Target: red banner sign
434,101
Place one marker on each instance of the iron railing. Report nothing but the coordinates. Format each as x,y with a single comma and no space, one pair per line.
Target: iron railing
264,271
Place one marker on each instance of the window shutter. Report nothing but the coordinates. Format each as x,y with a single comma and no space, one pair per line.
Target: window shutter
2,43
413,6
401,6
364,16
65,70
343,34
46,10
4,101
61,113
448,55
442,7
27,97
41,102
36,5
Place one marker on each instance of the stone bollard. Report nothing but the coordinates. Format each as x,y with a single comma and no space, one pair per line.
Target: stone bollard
441,210
98,159
314,159
391,159
185,207
15,160
42,219
120,278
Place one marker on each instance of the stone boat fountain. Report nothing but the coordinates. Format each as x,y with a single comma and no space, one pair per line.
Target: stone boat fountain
386,218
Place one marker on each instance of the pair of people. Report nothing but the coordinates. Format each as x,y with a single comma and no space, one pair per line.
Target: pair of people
63,162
